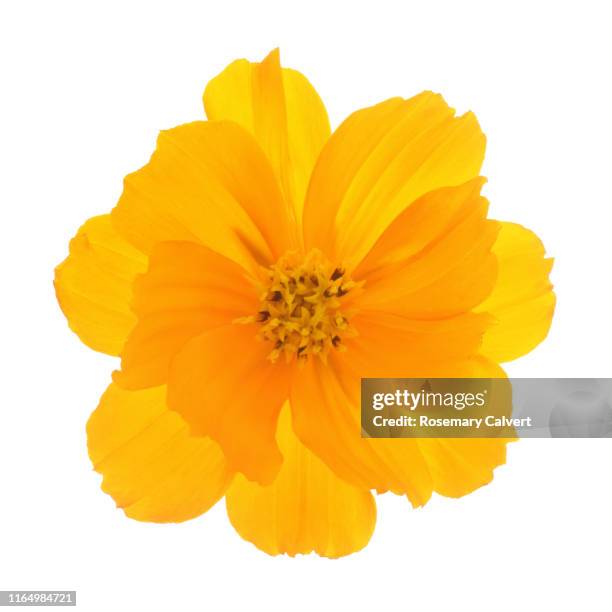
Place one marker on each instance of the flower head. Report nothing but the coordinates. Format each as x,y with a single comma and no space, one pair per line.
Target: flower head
256,269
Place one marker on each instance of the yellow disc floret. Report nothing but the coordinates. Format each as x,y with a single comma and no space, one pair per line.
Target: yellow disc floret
301,311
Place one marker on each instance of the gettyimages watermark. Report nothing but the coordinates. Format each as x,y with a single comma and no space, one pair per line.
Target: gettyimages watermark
486,408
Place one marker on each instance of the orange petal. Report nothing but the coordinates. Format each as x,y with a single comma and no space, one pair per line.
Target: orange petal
379,161
222,384
187,289
456,467
94,285
152,467
522,301
306,509
207,182
282,111
459,466
421,225
326,418
435,259
395,346
325,403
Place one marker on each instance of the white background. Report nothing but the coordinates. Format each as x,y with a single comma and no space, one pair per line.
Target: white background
85,87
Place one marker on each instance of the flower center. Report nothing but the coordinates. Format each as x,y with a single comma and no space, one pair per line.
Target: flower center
301,311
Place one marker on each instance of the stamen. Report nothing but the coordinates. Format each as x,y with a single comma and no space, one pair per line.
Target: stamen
337,273
301,312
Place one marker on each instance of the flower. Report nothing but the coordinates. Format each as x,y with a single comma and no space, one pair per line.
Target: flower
256,268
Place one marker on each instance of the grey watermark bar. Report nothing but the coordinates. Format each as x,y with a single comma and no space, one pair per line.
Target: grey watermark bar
486,408
37,598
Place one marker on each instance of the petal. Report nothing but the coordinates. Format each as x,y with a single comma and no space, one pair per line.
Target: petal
222,384
325,403
326,418
402,346
307,508
379,161
422,224
435,259
187,289
282,111
460,466
207,182
152,467
522,300
94,285
456,467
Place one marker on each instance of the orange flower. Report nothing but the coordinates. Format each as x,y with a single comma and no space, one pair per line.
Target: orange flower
256,268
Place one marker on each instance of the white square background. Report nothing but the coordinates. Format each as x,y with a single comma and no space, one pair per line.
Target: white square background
85,86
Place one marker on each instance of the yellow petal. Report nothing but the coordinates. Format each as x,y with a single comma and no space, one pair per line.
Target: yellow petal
152,467
222,384
378,162
522,300
207,182
283,112
94,285
306,509
434,261
187,289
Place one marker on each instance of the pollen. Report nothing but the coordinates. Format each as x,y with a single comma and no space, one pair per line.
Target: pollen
301,311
